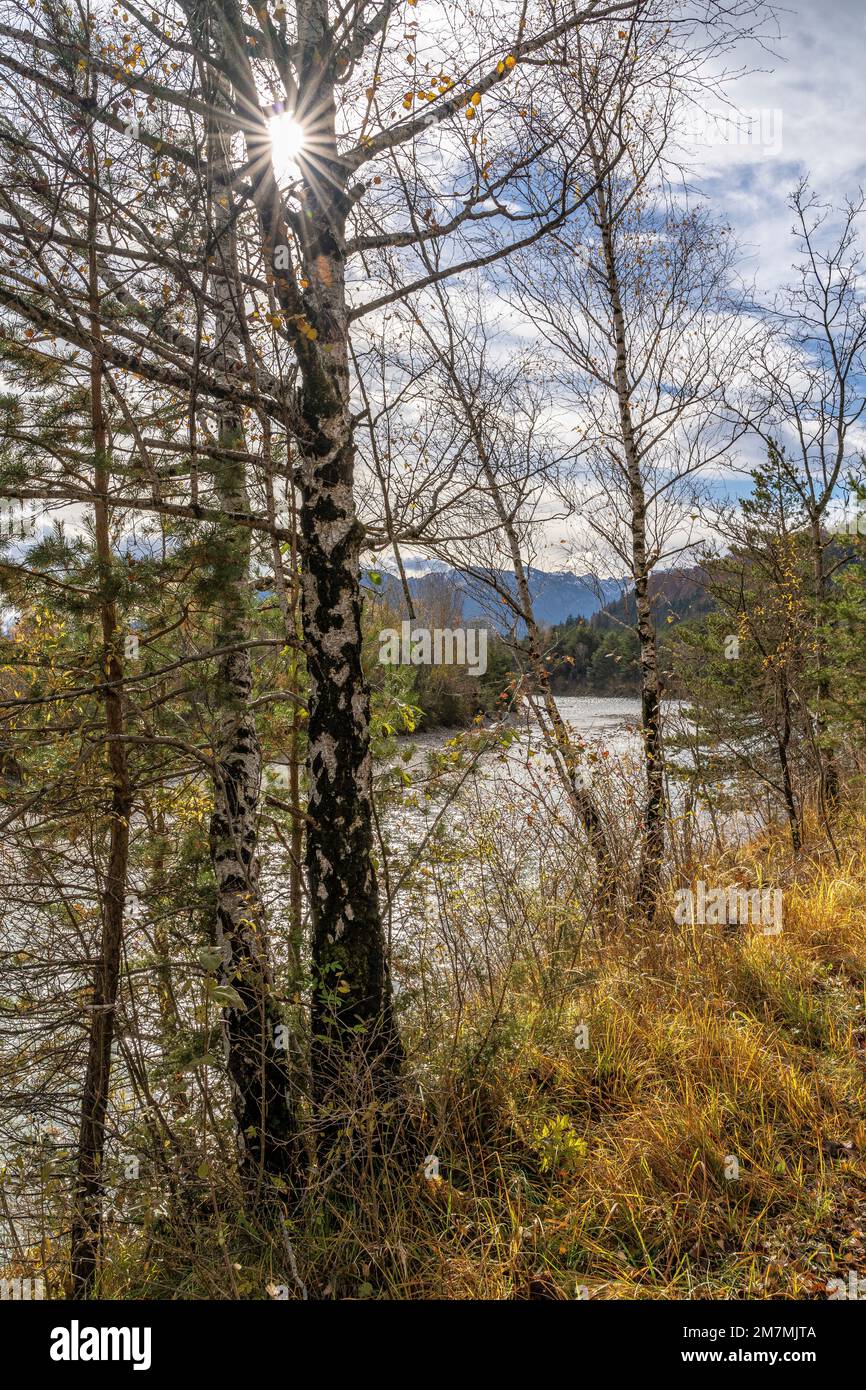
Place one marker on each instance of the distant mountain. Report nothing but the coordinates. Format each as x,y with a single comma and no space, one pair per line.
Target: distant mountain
676,593
602,657
556,595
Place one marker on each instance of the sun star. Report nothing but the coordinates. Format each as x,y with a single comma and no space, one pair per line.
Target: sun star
287,143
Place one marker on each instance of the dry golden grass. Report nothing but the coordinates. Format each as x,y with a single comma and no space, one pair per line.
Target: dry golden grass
605,1171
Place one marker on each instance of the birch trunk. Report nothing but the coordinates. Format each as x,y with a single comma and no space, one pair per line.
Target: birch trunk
352,1020
653,837
568,769
263,1092
829,772
354,1036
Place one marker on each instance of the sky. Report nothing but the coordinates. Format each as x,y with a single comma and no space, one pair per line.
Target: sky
804,100
812,96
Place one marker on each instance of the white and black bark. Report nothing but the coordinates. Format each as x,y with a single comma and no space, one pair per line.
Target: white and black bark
653,836
264,1088
353,1030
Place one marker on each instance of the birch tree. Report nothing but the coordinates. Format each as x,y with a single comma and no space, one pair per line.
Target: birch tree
634,299
397,135
505,455
805,398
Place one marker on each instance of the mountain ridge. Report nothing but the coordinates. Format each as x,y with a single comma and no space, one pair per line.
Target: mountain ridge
556,594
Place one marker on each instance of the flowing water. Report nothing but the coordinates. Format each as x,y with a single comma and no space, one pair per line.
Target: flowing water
515,776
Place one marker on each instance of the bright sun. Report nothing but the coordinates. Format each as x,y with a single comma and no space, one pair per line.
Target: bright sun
287,142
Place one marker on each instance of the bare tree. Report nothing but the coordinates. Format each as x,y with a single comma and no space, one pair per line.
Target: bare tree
505,454
634,300
234,289
805,397
86,1234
